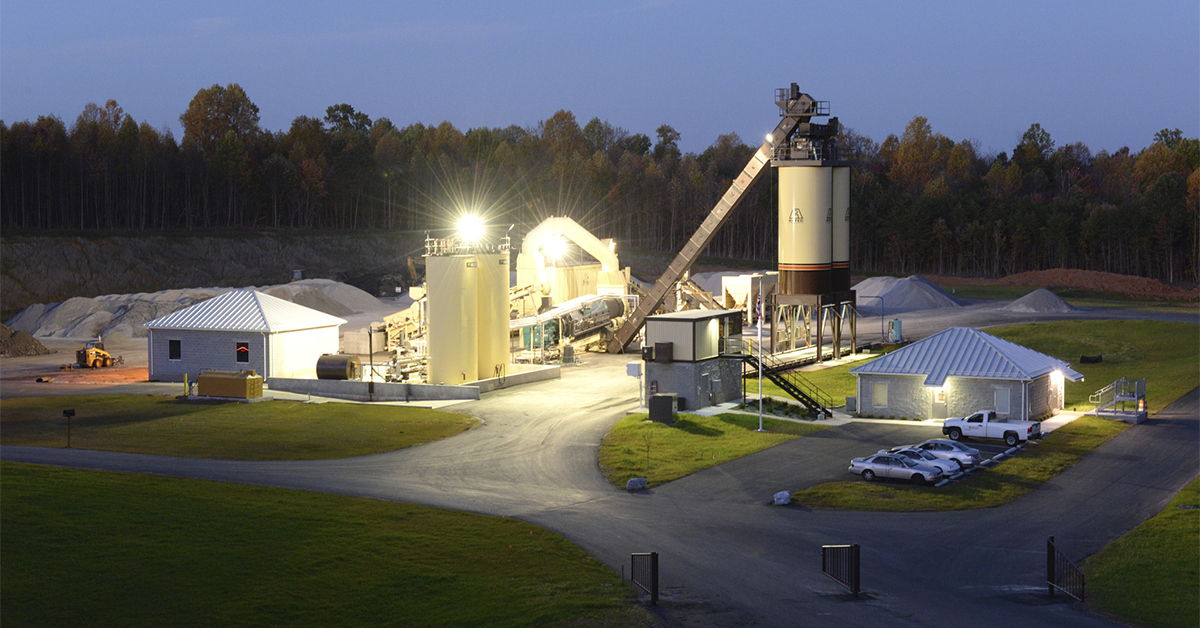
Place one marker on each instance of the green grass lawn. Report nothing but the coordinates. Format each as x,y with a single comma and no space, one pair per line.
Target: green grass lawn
268,430
1166,354
1151,576
92,548
991,487
638,448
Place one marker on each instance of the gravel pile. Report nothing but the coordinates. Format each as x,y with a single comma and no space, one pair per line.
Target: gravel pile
902,295
19,344
124,314
1039,301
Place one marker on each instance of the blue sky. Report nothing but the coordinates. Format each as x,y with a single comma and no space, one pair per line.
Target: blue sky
1109,74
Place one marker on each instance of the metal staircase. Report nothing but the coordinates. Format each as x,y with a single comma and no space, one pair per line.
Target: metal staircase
1122,391
791,382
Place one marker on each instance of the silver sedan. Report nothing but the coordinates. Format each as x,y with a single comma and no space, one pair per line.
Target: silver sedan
920,456
951,450
894,466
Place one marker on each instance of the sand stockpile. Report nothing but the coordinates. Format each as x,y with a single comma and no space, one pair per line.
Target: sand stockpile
124,314
1040,301
902,295
18,344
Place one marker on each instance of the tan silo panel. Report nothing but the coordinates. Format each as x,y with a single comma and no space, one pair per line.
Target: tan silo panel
840,253
453,304
805,218
493,313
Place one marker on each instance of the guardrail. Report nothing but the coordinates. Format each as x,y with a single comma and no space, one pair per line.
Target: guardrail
643,573
1061,573
841,563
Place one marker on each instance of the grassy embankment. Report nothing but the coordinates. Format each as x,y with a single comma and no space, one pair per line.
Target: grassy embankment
1150,576
1164,353
1075,296
91,548
637,447
268,430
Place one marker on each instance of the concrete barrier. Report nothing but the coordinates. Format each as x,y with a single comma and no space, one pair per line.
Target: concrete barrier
396,391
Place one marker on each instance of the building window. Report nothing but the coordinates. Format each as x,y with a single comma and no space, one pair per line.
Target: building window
939,395
1002,401
243,352
880,397
174,351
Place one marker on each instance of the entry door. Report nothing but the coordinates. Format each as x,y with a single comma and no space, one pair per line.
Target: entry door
939,404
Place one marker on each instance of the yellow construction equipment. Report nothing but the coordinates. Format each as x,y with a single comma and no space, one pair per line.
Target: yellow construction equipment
94,356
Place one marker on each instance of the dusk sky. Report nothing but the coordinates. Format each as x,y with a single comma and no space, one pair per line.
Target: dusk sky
1109,74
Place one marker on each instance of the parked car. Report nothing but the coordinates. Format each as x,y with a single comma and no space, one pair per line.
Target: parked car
920,456
986,424
950,450
894,466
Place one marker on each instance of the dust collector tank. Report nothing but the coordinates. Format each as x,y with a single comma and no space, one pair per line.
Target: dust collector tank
338,366
493,314
453,306
840,230
805,234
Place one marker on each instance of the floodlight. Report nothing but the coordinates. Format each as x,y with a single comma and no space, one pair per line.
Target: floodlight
555,247
470,228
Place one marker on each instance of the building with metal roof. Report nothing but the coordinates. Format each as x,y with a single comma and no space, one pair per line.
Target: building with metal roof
240,330
958,371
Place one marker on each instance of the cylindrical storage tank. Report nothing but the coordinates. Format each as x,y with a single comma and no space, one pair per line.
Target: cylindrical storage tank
805,217
493,314
338,366
453,304
840,230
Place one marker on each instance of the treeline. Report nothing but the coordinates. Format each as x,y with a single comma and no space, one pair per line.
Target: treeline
921,202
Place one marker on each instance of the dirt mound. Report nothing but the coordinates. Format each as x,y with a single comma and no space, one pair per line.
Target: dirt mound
125,314
18,344
902,295
1038,301
1084,280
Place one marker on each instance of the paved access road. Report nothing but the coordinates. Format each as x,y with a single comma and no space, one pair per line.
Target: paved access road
727,558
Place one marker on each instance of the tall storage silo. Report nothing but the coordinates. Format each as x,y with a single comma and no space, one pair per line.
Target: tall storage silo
493,314
453,305
805,237
840,230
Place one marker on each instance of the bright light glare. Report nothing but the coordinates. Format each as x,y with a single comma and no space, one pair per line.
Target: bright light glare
555,247
470,228
769,138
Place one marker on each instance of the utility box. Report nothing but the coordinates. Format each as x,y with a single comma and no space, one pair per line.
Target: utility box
664,352
851,404
662,408
232,384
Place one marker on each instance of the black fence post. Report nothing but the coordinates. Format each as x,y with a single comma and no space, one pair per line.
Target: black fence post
643,573
1062,574
841,563
1050,565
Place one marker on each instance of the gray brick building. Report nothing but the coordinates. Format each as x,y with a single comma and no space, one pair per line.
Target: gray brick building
959,371
697,355
240,330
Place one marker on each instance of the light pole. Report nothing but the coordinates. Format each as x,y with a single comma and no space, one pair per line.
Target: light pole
881,314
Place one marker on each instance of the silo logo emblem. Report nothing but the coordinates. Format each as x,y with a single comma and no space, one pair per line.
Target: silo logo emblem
796,215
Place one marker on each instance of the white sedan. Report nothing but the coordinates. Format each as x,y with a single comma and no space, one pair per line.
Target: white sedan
894,466
920,456
951,450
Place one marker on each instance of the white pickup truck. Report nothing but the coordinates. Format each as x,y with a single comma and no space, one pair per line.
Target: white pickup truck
986,424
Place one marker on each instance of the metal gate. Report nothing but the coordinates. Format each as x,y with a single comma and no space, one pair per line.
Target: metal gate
1061,573
643,572
840,562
